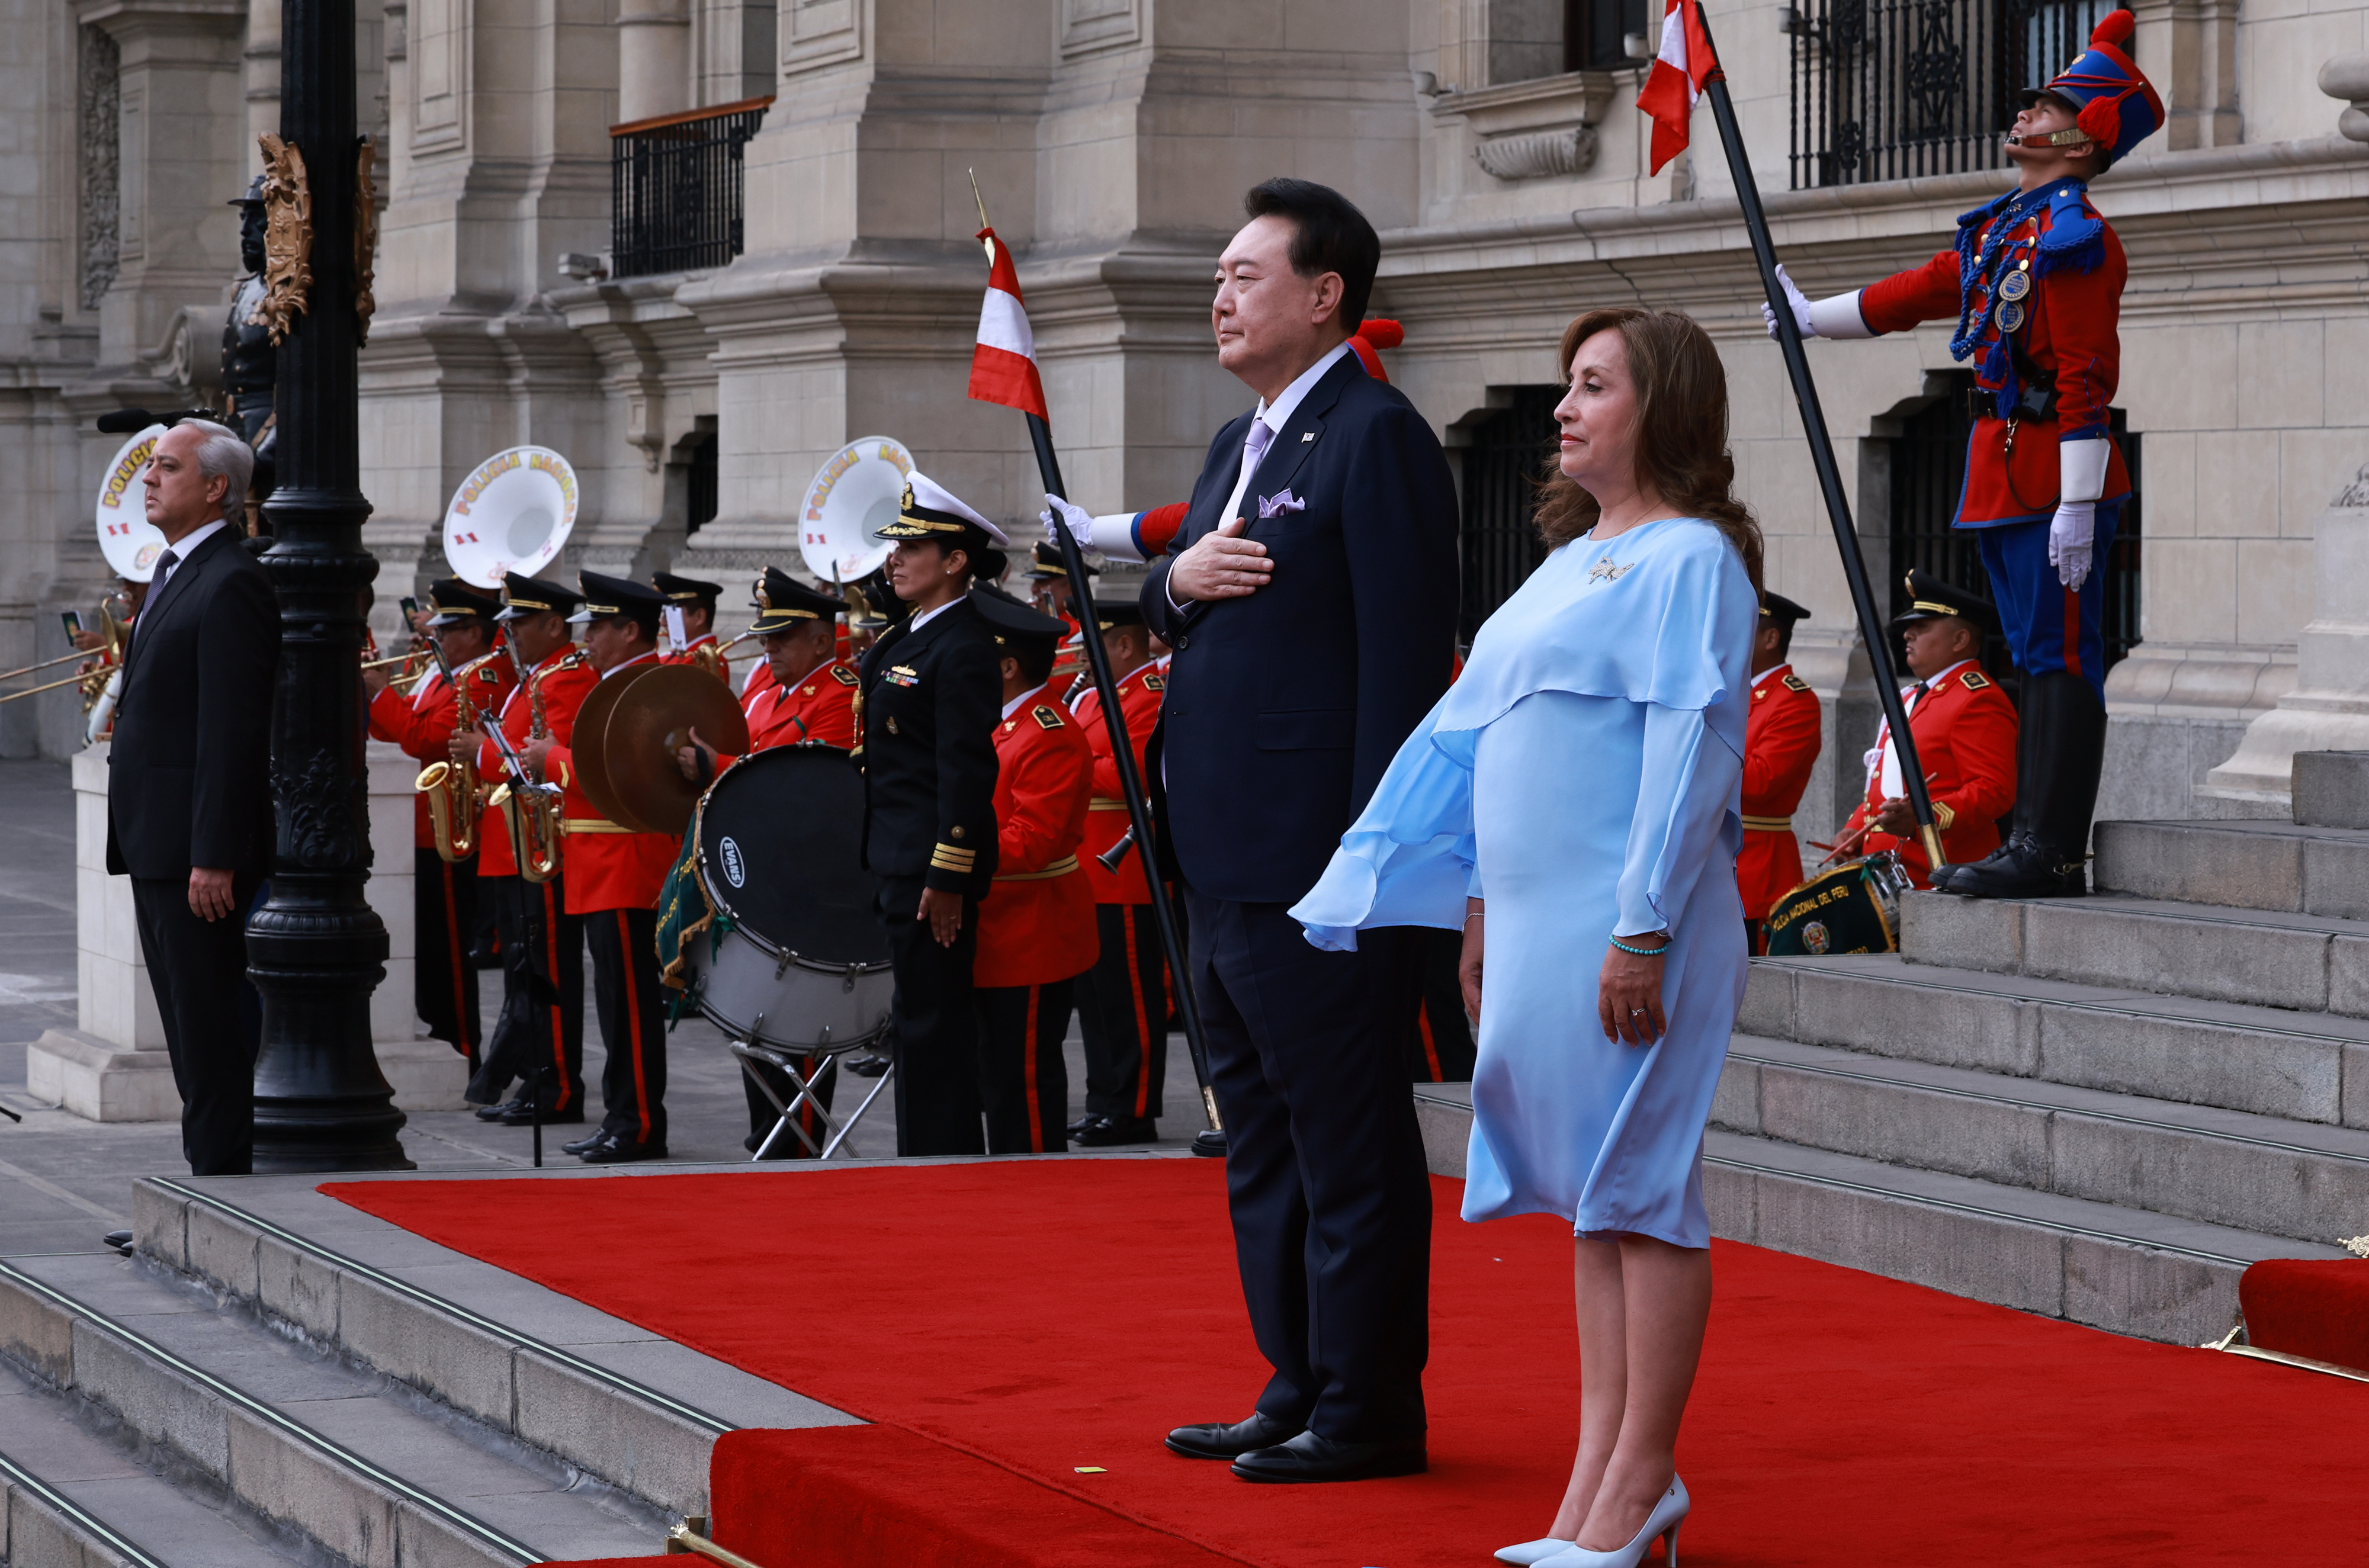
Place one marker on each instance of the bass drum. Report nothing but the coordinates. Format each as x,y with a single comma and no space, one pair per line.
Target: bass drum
1855,908
802,963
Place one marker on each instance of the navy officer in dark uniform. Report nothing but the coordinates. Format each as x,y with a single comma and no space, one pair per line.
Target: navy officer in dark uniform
932,693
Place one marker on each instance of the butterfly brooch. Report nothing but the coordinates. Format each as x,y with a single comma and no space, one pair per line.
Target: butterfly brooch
1604,571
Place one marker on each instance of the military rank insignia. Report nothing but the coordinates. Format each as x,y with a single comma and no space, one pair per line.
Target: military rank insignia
1045,717
1155,682
1794,682
843,675
1974,680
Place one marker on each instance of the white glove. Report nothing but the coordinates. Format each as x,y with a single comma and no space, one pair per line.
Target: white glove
2073,531
1076,519
1797,300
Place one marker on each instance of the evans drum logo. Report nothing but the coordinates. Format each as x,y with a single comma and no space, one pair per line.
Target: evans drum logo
736,870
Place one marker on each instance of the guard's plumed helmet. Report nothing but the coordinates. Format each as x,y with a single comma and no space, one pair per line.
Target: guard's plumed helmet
2118,106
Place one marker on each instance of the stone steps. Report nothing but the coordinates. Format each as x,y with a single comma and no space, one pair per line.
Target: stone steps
332,1390
2305,962
2246,866
2269,1061
2304,1182
75,1494
327,1453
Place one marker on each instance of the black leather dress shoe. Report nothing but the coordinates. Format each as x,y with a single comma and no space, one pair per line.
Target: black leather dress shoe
869,1064
523,1114
1309,1457
611,1149
1230,1440
581,1144
120,1241
1089,1119
1107,1131
496,1113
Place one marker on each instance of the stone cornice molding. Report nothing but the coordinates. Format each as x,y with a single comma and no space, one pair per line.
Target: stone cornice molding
132,19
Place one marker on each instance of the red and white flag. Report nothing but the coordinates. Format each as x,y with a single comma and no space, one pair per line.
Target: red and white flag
1004,366
1681,68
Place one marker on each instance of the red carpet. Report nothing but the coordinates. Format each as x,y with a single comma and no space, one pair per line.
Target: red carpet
2312,1307
1046,1316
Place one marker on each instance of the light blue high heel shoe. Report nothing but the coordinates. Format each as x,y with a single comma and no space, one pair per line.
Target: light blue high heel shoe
1667,1515
1533,1552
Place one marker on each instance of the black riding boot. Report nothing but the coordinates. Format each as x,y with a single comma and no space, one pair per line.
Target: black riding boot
2061,747
2030,759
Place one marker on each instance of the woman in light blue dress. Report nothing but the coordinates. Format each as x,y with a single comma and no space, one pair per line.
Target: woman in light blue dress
1573,802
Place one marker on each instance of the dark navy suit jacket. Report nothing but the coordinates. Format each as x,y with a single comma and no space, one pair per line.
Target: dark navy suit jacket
1283,708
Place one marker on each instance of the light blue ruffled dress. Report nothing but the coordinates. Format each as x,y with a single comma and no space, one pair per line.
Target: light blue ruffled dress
1583,775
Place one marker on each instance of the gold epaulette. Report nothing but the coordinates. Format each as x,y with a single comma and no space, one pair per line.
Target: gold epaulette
1794,682
843,675
1974,680
1155,682
1047,715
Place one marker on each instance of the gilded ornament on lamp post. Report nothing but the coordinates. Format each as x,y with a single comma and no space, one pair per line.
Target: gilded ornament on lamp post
287,238
365,240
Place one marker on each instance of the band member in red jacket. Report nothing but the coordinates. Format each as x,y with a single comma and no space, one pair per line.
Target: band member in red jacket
2034,286
1037,924
808,698
614,877
1965,733
695,601
540,1036
445,893
1781,736
1123,1000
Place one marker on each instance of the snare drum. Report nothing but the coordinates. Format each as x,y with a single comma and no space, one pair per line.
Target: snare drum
801,963
1854,907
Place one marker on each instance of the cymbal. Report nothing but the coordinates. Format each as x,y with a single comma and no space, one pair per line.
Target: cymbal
591,766
651,716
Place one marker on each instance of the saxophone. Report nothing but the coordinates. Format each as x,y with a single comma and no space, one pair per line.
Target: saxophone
535,821
454,797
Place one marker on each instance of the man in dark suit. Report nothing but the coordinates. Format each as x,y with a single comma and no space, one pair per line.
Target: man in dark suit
189,796
1310,597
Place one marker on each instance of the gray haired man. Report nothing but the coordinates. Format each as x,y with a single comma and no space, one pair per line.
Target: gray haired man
188,797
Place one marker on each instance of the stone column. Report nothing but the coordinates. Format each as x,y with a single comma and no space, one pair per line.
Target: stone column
653,58
2328,709
111,1067
181,120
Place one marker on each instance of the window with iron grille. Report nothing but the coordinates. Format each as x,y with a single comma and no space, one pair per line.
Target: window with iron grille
1503,464
1929,470
1894,89
677,189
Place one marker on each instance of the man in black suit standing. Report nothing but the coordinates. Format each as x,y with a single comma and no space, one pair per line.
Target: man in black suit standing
1310,597
188,793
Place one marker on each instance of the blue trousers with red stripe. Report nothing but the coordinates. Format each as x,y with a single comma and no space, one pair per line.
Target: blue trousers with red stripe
2048,626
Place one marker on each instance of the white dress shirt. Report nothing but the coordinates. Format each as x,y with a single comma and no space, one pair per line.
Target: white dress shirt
924,617
1886,755
188,545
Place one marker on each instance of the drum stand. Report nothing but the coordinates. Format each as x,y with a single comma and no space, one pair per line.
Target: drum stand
785,1063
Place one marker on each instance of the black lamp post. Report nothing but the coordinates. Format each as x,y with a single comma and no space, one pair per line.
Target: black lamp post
316,949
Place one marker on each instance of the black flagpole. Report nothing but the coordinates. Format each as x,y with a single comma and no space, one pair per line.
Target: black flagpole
1822,451
1211,1141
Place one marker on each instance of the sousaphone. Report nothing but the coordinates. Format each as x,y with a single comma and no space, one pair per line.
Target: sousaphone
129,542
853,494
627,735
511,514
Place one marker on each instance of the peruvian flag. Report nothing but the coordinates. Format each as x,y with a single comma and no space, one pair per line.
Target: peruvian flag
1681,68
1004,366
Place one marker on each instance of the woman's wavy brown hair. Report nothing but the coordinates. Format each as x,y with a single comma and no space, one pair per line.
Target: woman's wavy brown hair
1681,428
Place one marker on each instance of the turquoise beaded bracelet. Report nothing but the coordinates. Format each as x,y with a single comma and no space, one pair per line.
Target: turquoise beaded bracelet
1642,952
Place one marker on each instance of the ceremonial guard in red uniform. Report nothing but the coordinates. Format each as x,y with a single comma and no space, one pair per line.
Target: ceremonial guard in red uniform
2035,285
695,601
1123,1000
809,699
931,703
1966,732
1782,737
444,890
1037,924
614,877
540,1036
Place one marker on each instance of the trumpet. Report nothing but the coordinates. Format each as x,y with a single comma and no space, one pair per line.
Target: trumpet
45,664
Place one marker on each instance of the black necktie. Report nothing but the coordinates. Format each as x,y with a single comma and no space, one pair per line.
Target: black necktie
165,564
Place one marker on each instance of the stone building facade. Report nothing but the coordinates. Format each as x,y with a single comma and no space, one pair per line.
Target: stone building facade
1493,141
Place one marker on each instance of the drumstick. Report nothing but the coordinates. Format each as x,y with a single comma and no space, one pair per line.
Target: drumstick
1839,849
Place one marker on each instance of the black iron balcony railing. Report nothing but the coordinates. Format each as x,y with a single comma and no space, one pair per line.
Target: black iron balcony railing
677,189
1892,89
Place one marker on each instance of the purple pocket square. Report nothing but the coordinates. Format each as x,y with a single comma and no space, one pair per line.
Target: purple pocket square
1276,505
